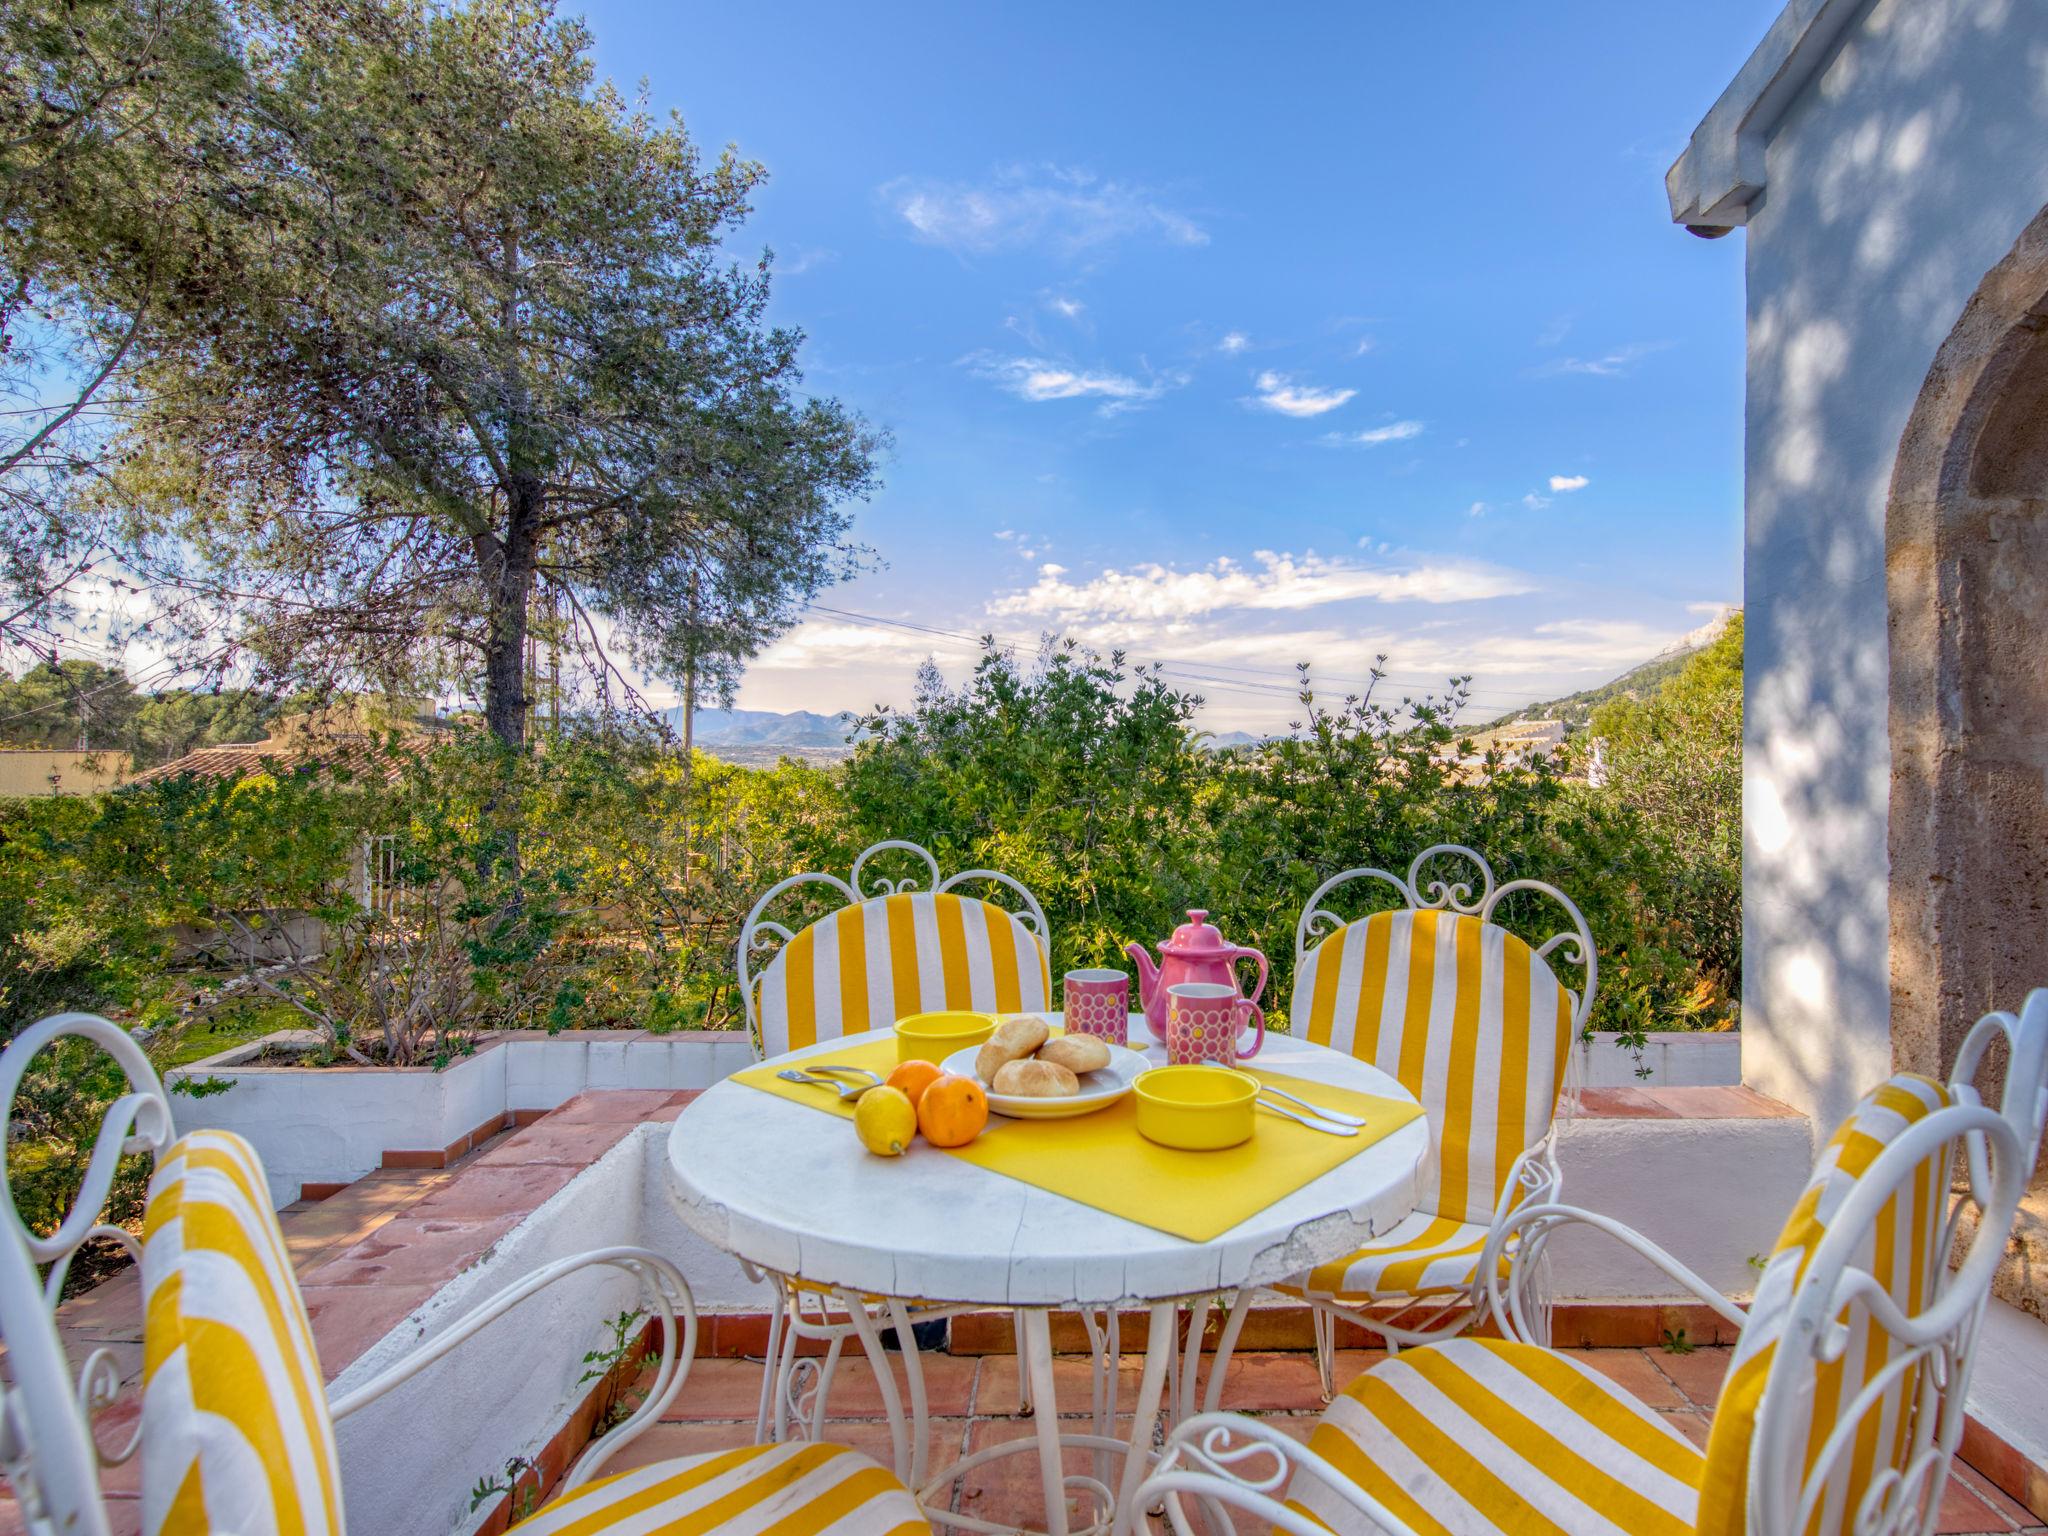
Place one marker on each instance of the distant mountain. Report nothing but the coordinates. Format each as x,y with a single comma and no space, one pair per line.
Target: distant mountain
1576,709
763,728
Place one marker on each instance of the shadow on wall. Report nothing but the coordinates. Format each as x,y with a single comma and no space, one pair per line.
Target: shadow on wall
1894,183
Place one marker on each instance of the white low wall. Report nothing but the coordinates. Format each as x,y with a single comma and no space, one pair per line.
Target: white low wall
1712,1192
334,1124
322,1125
1670,1059
506,1391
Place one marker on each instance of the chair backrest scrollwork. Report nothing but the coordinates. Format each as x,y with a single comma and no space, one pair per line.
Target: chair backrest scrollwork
1573,944
1017,940
47,1448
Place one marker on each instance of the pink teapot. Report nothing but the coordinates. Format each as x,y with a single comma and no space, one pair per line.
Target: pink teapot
1196,952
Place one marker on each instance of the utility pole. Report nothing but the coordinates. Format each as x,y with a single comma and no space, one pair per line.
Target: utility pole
690,679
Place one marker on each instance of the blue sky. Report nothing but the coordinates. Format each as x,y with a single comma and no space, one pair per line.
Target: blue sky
1237,337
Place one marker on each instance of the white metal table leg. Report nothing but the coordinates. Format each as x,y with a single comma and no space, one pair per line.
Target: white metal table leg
1183,1406
1105,1347
1045,1417
1160,1347
913,1373
781,1419
1226,1346
885,1378
767,1423
1023,1377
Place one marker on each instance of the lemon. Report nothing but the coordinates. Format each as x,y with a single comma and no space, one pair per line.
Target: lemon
885,1120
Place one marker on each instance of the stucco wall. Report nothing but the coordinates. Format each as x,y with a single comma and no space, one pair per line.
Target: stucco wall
1902,173
26,771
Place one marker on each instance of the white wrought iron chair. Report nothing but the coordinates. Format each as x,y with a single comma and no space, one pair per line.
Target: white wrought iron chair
1844,1400
897,947
236,1429
1472,1021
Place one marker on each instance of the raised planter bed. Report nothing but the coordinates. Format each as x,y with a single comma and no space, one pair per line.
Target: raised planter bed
317,1128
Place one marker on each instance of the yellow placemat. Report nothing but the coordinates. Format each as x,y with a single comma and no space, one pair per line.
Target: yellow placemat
1100,1160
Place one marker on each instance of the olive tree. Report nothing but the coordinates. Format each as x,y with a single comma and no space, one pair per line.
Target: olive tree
118,193
489,358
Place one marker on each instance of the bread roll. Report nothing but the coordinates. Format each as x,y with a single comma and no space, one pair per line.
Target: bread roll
1077,1053
1036,1080
1013,1040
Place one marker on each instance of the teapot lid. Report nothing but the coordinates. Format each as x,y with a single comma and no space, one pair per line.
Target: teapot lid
1197,936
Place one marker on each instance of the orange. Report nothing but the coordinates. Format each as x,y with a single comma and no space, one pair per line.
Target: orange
913,1077
952,1111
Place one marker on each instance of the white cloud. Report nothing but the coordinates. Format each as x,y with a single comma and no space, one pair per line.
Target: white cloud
1273,582
1233,342
1278,393
1556,650
1569,482
1066,210
806,260
1068,308
1028,546
1608,365
1365,344
1373,437
1535,502
821,644
1038,379
1477,509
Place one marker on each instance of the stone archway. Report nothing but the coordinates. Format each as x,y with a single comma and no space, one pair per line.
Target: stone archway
1966,577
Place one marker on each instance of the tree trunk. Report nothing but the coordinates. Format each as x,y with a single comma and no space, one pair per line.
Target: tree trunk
508,568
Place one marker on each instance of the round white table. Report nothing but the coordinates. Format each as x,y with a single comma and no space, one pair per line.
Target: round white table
779,1185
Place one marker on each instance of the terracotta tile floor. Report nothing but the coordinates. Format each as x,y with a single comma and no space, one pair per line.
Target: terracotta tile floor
974,1403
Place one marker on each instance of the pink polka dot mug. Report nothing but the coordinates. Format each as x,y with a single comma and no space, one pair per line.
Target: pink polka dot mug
1098,1003
1205,1021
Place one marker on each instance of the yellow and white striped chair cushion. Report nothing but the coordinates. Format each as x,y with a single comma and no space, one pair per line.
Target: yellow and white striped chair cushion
1421,1255
866,966
1902,1250
1477,1435
235,1432
794,1489
1466,1017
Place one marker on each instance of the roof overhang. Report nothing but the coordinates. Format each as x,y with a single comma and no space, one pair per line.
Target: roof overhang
1722,171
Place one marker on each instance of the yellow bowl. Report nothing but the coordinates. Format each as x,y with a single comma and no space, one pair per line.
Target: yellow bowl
935,1036
1197,1109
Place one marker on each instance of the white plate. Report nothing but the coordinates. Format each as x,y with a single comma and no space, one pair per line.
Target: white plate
1099,1089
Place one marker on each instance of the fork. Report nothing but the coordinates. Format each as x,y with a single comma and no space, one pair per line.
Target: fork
824,1077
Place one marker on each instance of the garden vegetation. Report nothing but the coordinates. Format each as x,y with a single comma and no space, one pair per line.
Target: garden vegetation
375,902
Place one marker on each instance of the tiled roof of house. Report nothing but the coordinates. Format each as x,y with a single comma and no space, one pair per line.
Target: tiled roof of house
238,760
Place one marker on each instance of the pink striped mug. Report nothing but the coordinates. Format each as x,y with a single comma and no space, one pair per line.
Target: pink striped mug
1204,1020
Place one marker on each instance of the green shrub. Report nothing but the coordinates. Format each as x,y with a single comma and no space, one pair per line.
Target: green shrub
601,879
